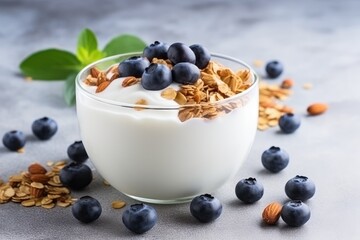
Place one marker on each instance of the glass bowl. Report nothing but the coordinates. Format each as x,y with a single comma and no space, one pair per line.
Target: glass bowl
152,156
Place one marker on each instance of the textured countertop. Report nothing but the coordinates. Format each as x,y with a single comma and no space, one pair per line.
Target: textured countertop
317,41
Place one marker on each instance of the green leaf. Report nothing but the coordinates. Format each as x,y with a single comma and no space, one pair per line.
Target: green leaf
50,64
87,58
87,44
124,44
69,90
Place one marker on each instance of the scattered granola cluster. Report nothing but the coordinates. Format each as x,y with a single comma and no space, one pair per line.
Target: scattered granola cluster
270,110
216,83
37,187
101,79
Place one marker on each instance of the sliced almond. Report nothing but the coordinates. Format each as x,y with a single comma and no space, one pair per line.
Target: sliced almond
140,102
169,93
48,206
118,204
63,204
180,98
28,203
9,192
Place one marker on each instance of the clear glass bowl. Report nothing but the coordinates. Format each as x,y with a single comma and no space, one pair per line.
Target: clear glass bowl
152,156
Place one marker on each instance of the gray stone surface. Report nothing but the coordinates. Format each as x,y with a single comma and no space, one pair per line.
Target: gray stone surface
316,40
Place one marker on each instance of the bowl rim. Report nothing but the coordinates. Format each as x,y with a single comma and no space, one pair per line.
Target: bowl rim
102,100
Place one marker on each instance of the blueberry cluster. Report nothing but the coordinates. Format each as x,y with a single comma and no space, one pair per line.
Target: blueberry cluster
299,189
289,122
186,60
295,212
76,175
43,128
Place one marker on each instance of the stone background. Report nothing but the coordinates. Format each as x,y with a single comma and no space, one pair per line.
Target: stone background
318,43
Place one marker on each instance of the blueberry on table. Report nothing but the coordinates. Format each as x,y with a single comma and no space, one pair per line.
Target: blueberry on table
275,159
289,122
295,213
300,188
179,52
156,77
77,152
185,73
133,66
139,218
156,50
274,69
44,128
87,209
14,140
205,208
76,175
202,55
249,190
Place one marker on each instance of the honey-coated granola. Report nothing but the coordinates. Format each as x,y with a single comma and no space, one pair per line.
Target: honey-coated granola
216,83
47,191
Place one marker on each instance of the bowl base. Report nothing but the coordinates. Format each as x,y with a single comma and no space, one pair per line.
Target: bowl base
161,201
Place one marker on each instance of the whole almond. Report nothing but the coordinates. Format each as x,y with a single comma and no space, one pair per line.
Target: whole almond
41,178
287,83
94,72
271,213
36,168
102,86
317,108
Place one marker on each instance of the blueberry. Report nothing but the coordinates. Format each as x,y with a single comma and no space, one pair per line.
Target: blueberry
139,218
275,159
156,77
133,66
86,209
179,52
202,55
274,69
295,213
205,208
14,140
289,122
76,175
156,50
44,128
185,73
77,152
249,190
300,188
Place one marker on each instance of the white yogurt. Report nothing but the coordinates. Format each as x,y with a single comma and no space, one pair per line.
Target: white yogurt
150,154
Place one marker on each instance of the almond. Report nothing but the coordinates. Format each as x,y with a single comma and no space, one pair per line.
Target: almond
37,189
271,213
41,178
94,72
287,83
129,81
317,108
36,168
118,204
102,86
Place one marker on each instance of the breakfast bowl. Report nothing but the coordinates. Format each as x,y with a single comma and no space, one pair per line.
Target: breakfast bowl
167,146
